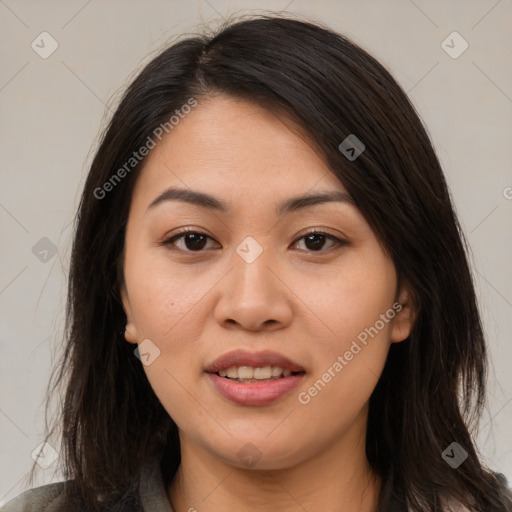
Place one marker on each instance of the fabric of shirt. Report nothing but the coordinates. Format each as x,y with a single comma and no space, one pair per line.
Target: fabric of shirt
50,497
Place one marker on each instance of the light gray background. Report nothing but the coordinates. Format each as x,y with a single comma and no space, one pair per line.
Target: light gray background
53,109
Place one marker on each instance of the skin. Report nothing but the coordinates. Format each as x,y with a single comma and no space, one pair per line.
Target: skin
306,304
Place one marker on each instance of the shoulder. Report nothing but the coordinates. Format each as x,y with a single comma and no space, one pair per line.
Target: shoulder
46,498
62,497
147,492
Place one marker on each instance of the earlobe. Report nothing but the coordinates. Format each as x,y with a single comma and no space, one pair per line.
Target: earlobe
130,331
405,318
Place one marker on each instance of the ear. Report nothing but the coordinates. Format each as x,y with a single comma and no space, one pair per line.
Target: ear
130,333
406,314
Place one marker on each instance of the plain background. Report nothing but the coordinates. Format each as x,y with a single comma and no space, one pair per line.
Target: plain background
53,109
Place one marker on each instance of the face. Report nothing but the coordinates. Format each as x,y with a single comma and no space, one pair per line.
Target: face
254,285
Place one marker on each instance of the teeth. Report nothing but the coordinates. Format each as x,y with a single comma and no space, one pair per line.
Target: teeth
262,373
244,373
232,373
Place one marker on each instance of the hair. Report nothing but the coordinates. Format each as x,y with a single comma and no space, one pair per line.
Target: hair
432,389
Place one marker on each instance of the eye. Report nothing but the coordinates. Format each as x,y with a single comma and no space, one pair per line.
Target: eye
195,241
315,240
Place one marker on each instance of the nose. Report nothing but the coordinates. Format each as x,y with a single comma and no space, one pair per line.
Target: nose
254,295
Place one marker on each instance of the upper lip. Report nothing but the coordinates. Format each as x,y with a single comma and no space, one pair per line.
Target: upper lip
254,359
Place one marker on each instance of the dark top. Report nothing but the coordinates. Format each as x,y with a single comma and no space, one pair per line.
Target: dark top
152,496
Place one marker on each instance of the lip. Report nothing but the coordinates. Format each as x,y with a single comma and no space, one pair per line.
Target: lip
255,393
254,359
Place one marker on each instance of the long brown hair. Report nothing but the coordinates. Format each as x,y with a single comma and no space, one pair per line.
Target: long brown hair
432,389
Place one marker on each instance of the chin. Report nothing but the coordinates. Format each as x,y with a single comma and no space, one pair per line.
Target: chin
262,453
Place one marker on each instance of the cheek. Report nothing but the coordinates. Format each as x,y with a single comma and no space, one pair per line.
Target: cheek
346,370
335,402
169,309
164,300
176,390
354,307
349,298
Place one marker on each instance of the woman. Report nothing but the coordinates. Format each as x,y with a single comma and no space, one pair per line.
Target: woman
270,305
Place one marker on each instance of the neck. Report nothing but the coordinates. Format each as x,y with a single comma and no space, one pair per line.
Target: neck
337,479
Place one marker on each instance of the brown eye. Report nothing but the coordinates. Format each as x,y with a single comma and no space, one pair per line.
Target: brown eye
315,241
192,241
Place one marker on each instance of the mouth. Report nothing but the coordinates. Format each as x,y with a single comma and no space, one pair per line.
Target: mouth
253,379
250,365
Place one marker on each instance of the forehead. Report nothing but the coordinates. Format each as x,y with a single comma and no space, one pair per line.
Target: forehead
230,145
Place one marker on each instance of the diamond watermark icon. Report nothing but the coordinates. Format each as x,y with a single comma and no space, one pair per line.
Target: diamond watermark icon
249,454
44,455
351,147
249,249
455,455
454,45
44,250
147,352
44,45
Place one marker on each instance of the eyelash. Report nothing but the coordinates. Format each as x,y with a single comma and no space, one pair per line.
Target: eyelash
171,241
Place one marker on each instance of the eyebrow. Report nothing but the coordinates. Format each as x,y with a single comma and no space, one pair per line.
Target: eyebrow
210,202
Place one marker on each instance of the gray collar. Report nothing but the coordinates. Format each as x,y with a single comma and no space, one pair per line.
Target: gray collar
152,491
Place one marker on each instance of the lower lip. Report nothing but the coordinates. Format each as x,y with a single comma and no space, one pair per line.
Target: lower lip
255,393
